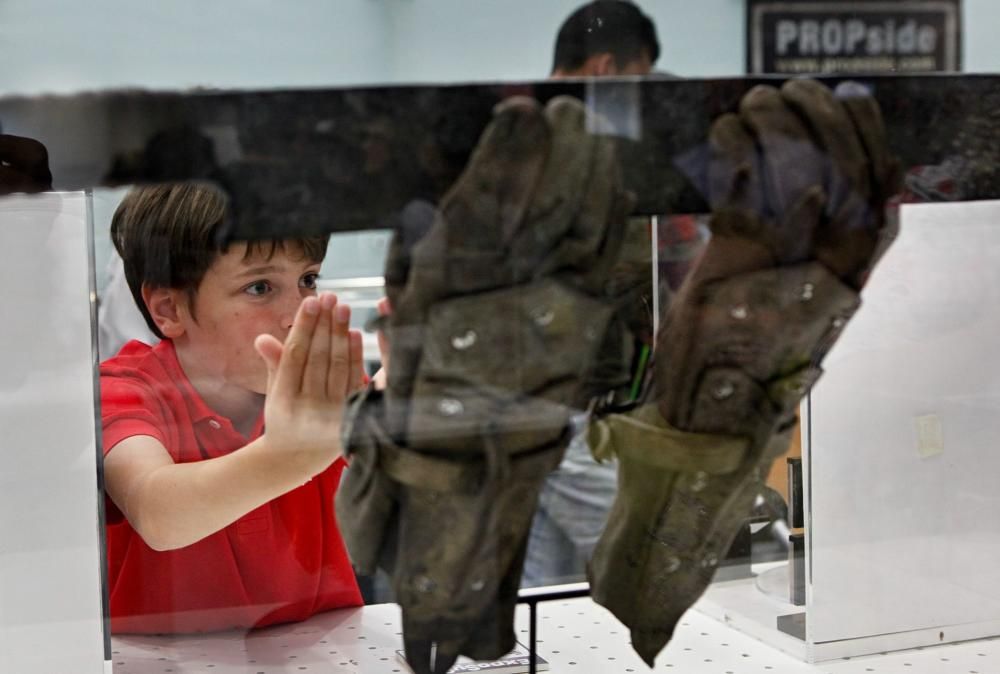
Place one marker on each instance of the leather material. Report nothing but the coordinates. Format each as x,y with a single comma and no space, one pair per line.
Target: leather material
798,180
504,315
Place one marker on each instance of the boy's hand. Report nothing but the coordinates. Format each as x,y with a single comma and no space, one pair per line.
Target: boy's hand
308,380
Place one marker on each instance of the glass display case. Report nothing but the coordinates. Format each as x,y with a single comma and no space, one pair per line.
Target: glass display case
687,374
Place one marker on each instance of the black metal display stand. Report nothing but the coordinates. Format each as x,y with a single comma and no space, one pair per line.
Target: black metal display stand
532,597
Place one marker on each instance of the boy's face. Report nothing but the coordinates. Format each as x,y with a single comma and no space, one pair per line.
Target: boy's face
241,297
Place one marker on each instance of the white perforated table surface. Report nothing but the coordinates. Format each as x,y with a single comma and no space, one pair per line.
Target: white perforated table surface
576,636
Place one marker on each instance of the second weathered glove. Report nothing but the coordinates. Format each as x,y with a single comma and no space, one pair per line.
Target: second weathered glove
797,180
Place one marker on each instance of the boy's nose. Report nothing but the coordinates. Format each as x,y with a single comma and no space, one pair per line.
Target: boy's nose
288,313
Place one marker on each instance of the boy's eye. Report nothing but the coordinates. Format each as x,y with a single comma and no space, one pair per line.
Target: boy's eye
258,288
309,281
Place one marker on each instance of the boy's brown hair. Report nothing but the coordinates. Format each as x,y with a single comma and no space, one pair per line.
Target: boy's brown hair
167,236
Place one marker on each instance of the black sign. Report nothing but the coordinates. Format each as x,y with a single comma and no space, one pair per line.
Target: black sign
800,37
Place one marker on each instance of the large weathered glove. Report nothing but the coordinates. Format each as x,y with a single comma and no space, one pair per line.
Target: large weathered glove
797,181
499,314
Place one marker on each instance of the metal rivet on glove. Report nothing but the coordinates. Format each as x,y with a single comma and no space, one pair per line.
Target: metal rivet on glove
462,342
477,585
543,317
723,390
709,561
838,322
673,565
806,293
589,333
424,584
450,407
740,312
700,481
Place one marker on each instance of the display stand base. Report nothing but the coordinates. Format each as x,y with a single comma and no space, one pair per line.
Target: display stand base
741,605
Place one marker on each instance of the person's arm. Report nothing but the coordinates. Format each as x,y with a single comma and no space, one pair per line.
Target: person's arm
174,505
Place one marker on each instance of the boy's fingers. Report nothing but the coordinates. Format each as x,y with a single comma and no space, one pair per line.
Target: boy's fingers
288,378
340,353
316,372
269,349
383,348
357,376
380,380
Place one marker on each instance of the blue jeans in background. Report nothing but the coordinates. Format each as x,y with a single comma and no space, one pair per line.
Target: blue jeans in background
572,510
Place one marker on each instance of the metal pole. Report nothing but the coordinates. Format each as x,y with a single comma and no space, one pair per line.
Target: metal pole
532,595
532,634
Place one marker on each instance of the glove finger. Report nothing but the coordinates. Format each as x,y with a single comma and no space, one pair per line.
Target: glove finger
846,240
866,116
835,133
397,268
741,242
463,251
732,156
488,202
587,239
561,186
732,182
445,656
418,654
601,199
851,249
789,163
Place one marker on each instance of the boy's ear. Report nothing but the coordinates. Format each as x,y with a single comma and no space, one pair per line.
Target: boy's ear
165,305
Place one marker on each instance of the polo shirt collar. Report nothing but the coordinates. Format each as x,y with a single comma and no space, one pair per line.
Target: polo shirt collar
201,414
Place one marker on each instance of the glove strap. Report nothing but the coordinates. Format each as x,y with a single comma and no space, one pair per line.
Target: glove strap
643,435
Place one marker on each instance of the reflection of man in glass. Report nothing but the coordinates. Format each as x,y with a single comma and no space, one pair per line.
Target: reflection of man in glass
605,37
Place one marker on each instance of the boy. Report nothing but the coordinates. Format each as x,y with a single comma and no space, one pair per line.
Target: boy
214,523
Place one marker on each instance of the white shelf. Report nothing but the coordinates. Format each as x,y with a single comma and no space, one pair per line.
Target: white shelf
576,636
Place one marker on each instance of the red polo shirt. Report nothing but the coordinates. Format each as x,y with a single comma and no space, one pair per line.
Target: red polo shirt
282,562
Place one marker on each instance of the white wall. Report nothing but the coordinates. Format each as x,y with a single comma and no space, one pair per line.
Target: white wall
64,45
980,48
513,39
